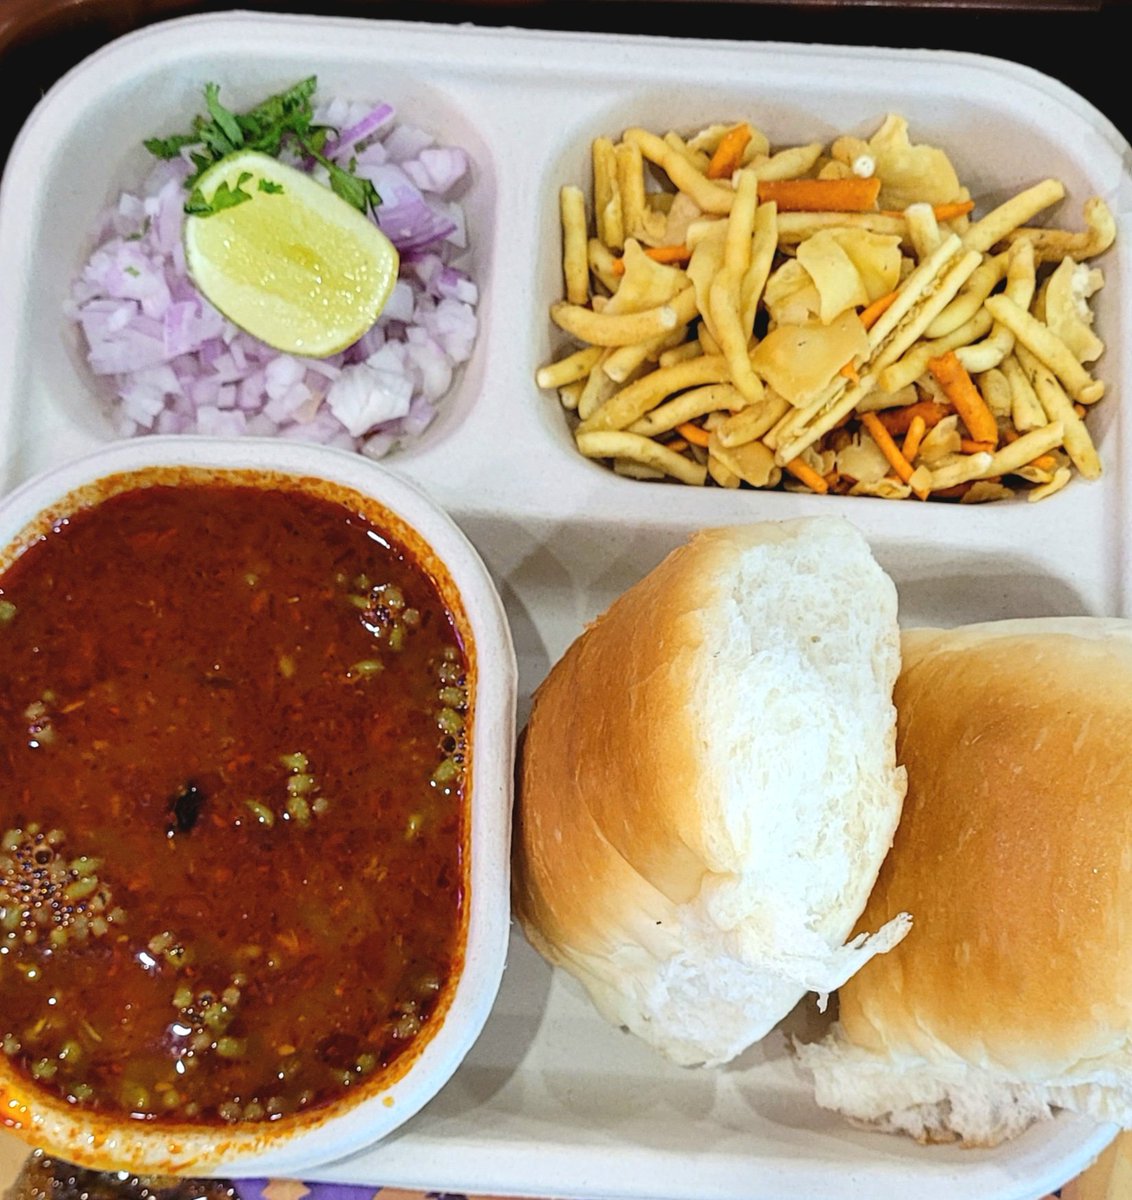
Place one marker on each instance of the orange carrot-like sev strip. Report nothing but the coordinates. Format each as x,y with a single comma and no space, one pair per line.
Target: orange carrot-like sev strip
807,475
821,195
914,437
850,372
660,254
942,212
970,446
951,375
899,420
1044,462
668,254
948,212
729,153
888,447
677,444
872,312
693,434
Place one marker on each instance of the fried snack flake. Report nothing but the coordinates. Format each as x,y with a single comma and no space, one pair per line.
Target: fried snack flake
842,319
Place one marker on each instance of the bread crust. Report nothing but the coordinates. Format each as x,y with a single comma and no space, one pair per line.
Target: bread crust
1014,852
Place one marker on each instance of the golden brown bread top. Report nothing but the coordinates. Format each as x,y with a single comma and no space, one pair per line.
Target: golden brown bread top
589,826
1014,851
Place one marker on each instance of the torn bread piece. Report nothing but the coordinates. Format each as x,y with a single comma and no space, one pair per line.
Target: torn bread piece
708,786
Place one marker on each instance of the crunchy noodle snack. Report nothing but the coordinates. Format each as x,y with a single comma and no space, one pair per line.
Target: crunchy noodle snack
841,319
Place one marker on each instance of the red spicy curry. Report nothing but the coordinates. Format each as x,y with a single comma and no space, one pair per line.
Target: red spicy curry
232,825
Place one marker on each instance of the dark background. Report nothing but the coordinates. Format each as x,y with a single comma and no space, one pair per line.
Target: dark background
1081,42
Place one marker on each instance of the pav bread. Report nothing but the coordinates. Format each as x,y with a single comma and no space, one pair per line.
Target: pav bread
708,786
1012,996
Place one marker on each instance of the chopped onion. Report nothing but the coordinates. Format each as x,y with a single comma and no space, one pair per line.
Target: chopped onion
357,133
178,366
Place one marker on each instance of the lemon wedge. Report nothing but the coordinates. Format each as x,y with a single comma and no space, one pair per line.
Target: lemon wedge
293,264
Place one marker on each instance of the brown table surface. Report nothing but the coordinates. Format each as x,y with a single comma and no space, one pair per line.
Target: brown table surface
1067,39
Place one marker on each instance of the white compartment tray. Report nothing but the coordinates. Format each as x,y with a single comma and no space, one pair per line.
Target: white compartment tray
551,1101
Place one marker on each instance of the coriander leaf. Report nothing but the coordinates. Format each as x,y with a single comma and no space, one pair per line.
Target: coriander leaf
224,197
220,131
285,119
356,191
266,126
281,109
353,189
216,142
224,118
317,139
197,205
272,189
169,147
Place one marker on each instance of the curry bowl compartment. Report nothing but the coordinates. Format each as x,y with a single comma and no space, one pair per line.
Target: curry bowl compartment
251,953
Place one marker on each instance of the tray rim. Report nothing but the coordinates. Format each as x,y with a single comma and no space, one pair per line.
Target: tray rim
417,30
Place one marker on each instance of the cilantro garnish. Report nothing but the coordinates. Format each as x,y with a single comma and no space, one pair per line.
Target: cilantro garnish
282,121
224,197
352,188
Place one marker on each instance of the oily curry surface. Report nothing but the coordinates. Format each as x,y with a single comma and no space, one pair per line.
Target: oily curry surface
231,804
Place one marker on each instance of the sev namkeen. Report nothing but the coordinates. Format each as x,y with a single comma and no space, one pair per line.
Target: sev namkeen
835,319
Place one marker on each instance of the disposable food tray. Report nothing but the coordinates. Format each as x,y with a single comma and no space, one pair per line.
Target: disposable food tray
551,1100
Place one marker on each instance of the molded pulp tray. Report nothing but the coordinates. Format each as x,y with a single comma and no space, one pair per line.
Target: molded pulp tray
551,1100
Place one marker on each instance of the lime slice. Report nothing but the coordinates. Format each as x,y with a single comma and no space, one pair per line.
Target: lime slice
294,265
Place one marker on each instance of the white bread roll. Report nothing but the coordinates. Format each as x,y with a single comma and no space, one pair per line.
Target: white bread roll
708,786
1013,994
